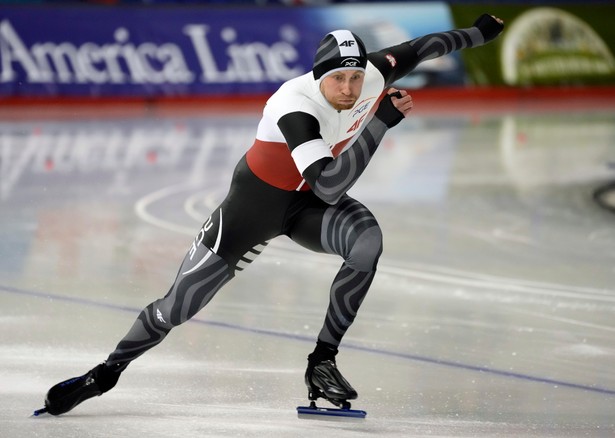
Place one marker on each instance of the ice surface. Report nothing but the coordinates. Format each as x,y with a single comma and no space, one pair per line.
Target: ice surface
492,314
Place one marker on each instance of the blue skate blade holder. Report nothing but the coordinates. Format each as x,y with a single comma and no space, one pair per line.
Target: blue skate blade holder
39,412
329,412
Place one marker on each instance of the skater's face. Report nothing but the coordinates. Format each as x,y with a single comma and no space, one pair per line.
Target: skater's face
342,88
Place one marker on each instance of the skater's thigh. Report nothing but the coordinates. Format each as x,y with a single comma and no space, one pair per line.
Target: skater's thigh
252,214
306,228
335,229
231,233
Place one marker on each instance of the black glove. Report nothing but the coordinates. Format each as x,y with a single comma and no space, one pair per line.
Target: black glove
387,112
489,27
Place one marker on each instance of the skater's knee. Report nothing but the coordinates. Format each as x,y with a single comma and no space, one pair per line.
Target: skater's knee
366,250
161,313
192,290
170,313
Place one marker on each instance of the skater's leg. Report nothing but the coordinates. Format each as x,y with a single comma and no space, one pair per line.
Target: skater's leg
228,242
350,230
254,213
201,275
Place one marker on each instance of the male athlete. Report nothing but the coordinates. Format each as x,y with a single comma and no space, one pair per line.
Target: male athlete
313,142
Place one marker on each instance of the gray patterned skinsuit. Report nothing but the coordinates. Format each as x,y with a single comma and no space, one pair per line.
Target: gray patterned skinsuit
319,215
294,181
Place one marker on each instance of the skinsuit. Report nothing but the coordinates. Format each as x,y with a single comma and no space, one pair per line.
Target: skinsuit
293,181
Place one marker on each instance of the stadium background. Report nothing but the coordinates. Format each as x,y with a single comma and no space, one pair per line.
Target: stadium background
186,50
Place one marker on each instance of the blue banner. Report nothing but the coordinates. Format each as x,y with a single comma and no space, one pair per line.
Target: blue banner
73,50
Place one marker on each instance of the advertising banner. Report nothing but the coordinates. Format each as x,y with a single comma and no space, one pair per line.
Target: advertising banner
153,51
136,51
544,45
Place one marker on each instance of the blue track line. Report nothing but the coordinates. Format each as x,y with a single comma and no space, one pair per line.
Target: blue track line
410,357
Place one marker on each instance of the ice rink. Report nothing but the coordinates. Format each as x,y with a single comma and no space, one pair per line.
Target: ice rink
492,315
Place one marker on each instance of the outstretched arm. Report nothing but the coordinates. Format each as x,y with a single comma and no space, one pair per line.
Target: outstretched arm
397,61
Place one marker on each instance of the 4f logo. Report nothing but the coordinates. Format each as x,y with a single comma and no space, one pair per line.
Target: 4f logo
348,43
356,124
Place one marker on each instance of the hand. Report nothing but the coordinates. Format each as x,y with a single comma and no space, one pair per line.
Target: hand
499,20
490,26
402,101
394,107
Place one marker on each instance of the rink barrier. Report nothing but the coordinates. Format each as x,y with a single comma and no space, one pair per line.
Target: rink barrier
431,101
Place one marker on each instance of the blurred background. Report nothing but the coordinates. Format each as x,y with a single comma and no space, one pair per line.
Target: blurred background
156,49
100,59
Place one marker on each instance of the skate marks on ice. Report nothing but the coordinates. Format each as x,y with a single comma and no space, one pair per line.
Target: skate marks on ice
175,420
481,370
384,420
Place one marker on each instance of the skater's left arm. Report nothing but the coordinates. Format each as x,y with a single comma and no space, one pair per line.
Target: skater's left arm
397,61
331,178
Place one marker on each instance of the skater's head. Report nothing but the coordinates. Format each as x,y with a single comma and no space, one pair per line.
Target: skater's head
338,51
339,66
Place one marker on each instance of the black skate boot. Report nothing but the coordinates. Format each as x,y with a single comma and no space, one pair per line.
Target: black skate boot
64,396
323,379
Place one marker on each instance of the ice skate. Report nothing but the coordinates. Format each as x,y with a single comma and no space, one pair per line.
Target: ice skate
324,380
64,396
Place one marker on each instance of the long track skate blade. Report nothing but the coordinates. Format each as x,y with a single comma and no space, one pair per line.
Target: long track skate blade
330,412
39,412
